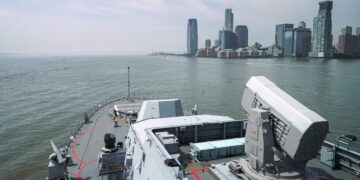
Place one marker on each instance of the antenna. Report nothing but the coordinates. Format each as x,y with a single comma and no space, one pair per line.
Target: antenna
129,83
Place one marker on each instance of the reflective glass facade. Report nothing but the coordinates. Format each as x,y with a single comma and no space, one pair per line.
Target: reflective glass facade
242,36
322,36
192,37
280,35
229,20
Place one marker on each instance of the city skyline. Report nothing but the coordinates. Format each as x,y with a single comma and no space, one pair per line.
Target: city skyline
113,27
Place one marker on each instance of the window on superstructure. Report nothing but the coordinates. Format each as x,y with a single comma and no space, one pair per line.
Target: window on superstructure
140,169
143,157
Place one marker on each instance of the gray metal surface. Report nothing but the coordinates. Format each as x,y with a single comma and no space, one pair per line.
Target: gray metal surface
90,139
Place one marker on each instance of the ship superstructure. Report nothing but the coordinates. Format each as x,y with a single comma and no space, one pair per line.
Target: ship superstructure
136,138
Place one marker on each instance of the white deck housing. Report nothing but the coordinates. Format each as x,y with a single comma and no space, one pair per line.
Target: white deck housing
148,154
160,109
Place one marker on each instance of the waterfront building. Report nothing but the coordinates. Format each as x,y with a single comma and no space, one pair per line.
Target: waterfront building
227,53
322,36
216,43
301,40
274,50
208,52
256,46
207,43
227,39
288,42
220,36
348,45
280,30
242,35
243,53
201,52
229,20
212,52
357,31
346,30
192,37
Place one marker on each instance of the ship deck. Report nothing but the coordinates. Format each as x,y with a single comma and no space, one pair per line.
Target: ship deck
89,140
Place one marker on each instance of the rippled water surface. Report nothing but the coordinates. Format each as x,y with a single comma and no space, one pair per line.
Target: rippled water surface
43,97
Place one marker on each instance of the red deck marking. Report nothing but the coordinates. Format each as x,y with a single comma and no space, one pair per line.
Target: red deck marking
194,172
201,169
74,153
77,175
79,134
84,166
196,176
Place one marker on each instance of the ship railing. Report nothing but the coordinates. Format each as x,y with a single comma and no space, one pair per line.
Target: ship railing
338,157
90,112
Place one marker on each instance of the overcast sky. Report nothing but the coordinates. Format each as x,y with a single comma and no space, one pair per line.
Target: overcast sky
143,26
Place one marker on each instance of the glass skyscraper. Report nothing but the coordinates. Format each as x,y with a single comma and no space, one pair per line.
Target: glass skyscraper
302,40
322,37
349,44
280,30
208,43
288,42
227,39
242,36
192,37
229,20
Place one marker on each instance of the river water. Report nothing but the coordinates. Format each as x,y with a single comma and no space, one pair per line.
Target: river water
43,97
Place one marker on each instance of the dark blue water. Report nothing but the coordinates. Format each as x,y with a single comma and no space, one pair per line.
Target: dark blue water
43,97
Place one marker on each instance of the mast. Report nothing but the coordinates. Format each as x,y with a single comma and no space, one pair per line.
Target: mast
128,83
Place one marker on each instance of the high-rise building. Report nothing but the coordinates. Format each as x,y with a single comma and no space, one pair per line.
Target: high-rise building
227,39
207,43
217,43
192,37
346,30
358,31
229,20
301,40
348,45
280,30
242,35
322,37
288,42
221,32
